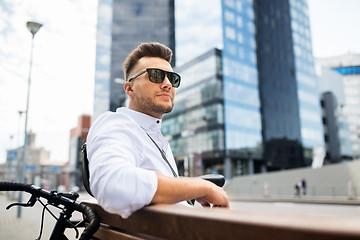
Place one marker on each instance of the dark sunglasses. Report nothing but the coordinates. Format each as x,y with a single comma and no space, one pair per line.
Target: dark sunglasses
157,76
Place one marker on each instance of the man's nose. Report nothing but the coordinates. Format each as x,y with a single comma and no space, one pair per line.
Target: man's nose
166,83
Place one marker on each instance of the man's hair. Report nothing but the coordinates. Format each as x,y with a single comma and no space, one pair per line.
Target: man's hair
152,49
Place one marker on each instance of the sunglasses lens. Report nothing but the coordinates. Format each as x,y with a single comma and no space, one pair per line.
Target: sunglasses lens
156,75
174,79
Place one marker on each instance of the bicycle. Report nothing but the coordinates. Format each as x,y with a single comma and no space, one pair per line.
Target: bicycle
66,202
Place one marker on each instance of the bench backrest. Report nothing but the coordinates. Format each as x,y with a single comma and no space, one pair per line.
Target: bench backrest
85,170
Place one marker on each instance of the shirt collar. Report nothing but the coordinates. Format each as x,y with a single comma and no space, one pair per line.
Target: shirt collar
147,122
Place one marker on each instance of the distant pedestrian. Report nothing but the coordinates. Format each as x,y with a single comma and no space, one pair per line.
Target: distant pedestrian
303,186
297,187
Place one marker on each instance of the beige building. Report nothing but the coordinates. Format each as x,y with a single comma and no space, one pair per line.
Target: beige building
348,65
34,157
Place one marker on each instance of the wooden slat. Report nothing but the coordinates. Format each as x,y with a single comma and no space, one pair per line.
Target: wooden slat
175,222
107,232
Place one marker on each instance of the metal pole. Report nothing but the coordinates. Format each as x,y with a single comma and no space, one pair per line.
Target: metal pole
23,156
33,27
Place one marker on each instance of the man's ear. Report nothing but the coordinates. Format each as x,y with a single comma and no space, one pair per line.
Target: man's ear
128,89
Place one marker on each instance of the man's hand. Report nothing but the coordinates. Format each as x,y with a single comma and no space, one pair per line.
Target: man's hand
172,190
216,197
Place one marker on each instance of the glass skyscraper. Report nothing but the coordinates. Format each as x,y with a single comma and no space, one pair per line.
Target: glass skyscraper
229,115
292,126
307,83
123,25
242,114
268,108
195,127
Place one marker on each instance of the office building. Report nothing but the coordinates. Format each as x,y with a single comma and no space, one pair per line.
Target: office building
35,156
348,65
338,145
336,132
227,25
123,25
74,165
288,84
267,88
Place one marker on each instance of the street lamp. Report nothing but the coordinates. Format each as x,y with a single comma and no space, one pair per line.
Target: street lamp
33,28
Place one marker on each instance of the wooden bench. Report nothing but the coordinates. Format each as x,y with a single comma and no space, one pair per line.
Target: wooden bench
175,222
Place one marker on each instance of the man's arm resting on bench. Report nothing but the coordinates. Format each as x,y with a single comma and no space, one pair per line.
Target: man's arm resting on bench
171,190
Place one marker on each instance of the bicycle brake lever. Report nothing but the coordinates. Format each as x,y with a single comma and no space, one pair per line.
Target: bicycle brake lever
30,203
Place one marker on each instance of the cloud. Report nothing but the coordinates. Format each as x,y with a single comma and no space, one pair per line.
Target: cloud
194,34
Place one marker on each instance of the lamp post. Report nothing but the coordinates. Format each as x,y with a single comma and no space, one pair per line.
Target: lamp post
33,27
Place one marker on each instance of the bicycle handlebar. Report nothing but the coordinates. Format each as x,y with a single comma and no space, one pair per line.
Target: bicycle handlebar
217,179
58,199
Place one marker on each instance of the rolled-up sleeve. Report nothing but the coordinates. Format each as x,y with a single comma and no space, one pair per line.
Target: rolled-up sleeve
116,180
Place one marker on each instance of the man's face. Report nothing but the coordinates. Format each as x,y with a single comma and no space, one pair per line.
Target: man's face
147,97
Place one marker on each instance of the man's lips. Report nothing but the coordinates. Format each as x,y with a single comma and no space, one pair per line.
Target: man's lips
164,95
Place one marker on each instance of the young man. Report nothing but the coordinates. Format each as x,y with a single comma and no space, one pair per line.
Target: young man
131,164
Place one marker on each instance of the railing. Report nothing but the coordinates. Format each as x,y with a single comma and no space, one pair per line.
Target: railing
175,222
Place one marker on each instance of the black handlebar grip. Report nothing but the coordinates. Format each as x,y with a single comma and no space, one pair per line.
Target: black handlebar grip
13,186
94,222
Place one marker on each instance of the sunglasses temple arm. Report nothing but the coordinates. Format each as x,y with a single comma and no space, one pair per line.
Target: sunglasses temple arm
136,75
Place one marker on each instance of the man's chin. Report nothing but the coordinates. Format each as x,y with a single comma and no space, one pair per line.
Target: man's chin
164,109
167,110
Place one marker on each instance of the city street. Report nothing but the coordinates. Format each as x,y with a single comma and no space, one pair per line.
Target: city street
29,225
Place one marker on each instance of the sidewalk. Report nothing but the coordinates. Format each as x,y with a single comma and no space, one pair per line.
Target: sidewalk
295,199
28,226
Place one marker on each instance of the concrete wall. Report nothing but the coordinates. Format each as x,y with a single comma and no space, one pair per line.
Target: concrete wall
336,180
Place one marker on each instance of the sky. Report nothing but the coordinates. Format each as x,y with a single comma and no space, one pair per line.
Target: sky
334,27
62,78
63,70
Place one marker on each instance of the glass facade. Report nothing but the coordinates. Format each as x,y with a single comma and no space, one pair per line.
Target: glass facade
217,111
122,26
348,70
241,91
271,108
307,83
196,124
352,110
278,86
346,146
103,57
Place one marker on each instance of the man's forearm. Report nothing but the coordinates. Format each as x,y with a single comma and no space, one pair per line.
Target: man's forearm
172,190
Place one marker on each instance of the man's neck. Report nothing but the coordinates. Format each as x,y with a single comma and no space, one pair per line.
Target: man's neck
151,114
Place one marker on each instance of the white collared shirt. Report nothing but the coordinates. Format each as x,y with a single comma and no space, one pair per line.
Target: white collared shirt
123,160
